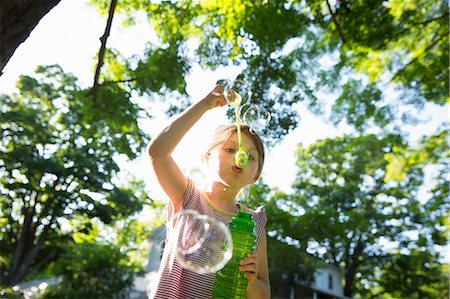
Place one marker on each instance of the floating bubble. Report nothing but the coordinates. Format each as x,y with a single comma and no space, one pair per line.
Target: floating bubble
255,117
202,244
229,91
227,87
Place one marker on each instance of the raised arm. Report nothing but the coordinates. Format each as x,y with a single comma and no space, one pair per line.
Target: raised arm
160,148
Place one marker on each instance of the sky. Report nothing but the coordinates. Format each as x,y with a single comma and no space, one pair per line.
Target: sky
69,36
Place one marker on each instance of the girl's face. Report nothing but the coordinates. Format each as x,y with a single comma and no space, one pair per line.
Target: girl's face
222,165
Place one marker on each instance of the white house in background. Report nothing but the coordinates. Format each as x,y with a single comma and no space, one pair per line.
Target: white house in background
157,239
328,283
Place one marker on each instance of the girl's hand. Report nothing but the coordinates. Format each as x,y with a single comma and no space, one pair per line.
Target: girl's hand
215,98
249,265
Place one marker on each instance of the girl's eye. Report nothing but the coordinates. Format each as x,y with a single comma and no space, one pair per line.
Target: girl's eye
230,149
251,157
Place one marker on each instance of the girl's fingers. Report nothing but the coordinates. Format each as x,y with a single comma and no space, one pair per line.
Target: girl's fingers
249,265
248,268
250,275
250,271
216,99
219,88
252,254
250,259
221,102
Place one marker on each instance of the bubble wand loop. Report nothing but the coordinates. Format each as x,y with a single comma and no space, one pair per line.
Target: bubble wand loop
241,157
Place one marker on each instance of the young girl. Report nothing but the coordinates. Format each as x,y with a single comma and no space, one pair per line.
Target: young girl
218,200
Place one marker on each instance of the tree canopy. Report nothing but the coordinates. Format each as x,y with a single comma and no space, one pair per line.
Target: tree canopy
57,162
347,205
295,51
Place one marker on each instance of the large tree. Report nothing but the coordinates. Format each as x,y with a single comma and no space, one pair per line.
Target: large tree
357,196
57,162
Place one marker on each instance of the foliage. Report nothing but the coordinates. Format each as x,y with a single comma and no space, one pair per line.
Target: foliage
132,239
295,271
359,54
57,163
10,293
417,274
344,208
92,270
370,59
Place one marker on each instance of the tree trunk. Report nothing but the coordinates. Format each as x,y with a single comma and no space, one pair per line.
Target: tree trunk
350,272
19,270
27,246
17,19
22,245
351,267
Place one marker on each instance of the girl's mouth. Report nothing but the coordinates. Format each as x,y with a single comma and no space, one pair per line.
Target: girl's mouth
237,169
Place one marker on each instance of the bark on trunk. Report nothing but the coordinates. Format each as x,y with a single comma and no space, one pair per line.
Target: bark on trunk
17,19
350,272
20,269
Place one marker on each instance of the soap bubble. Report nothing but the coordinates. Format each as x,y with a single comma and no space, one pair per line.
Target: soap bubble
255,117
227,87
203,244
229,91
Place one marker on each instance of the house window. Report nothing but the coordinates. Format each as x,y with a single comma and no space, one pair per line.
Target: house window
330,281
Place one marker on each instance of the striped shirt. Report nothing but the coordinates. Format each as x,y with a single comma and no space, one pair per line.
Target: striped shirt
176,282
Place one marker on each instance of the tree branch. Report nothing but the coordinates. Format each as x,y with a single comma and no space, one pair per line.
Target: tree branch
422,23
426,22
118,81
101,54
338,27
344,5
415,58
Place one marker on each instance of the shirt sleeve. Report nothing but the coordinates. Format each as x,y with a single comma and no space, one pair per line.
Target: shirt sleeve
187,199
189,194
259,215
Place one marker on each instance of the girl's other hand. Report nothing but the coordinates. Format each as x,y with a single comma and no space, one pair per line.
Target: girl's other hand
249,265
215,98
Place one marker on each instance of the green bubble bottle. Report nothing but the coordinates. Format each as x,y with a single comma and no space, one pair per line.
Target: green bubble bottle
230,283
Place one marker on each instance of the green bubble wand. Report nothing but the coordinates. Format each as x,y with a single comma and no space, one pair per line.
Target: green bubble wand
241,157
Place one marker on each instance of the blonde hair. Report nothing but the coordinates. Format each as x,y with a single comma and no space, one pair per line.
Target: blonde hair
223,132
